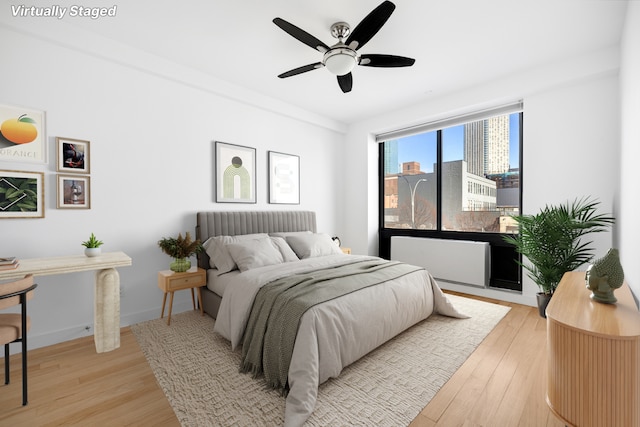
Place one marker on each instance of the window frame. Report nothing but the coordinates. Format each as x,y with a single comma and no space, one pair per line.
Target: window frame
504,252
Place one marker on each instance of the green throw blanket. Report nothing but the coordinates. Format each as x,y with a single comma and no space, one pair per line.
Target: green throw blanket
272,327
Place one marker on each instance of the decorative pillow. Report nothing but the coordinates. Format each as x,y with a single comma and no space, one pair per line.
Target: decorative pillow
249,254
313,245
219,255
207,245
287,253
285,234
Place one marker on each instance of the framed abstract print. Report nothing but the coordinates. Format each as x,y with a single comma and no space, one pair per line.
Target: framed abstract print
73,155
284,178
235,173
21,194
74,192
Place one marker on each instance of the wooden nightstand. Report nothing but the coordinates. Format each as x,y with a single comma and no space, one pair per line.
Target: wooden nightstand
170,281
346,251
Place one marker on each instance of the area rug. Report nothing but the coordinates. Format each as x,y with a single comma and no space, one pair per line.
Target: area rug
389,387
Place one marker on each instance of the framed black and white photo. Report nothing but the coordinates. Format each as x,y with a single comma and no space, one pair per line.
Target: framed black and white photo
284,178
235,173
73,155
21,194
74,192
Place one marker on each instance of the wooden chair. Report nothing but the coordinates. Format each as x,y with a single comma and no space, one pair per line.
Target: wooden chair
14,327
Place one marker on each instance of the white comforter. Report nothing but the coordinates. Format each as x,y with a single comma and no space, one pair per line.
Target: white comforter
334,334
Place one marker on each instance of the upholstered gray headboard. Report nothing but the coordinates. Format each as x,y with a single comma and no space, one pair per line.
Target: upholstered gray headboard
225,223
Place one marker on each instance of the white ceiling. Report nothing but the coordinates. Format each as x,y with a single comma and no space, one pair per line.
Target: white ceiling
456,44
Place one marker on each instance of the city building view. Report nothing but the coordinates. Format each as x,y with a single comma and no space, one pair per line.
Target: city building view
480,178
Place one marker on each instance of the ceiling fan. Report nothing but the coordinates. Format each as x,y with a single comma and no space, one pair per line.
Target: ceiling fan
343,56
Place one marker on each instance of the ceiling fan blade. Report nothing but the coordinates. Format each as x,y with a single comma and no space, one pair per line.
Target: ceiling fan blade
345,82
370,25
301,70
374,60
301,35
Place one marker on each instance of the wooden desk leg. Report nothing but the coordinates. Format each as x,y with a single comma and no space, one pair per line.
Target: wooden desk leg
200,301
164,301
193,300
170,307
106,315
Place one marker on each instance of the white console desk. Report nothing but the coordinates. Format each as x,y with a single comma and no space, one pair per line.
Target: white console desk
107,288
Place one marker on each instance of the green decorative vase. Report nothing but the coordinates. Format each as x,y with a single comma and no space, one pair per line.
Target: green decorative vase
180,265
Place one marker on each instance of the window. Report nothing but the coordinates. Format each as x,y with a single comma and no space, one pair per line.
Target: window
457,179
410,191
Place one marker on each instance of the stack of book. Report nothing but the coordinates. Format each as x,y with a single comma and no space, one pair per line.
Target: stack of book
8,263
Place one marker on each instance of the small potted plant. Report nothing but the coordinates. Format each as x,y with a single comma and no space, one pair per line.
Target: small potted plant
552,241
92,246
180,249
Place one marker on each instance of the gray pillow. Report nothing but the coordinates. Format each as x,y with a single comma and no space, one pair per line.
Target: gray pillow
287,253
219,256
249,254
312,245
285,234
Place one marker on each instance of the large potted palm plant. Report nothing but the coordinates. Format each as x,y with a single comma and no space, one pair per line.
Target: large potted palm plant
552,242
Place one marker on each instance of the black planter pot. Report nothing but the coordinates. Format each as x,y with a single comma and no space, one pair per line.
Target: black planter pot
543,302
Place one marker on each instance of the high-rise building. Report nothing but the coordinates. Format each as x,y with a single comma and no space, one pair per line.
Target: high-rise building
474,147
486,146
391,164
496,137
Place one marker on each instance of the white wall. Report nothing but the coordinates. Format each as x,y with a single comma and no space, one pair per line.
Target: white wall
628,233
571,148
151,127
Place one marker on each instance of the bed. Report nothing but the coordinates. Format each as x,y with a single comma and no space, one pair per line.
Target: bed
346,305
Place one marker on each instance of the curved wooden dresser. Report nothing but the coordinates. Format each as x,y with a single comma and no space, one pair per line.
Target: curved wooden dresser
593,356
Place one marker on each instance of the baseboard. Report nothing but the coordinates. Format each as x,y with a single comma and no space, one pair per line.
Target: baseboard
499,294
55,337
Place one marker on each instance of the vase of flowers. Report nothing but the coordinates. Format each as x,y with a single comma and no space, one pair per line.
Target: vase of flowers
180,249
180,265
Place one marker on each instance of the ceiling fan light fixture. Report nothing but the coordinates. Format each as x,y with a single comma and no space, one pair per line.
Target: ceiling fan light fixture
341,58
340,61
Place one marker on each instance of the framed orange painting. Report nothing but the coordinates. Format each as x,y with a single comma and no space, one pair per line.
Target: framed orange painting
22,135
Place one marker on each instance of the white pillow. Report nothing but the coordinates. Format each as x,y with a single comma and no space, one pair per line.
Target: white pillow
287,253
249,254
207,245
313,245
219,255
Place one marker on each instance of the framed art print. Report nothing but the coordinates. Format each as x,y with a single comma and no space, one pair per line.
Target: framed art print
73,155
22,135
284,178
74,192
235,173
21,194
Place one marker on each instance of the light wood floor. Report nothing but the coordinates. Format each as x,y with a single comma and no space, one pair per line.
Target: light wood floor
501,384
